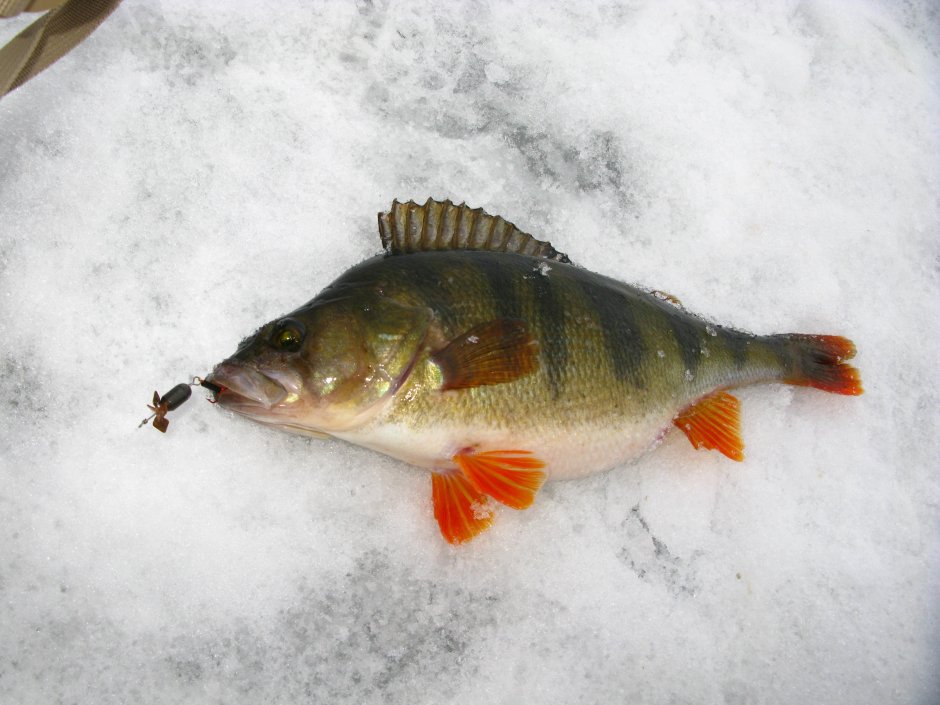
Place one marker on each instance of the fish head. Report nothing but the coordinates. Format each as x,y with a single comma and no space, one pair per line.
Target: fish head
326,367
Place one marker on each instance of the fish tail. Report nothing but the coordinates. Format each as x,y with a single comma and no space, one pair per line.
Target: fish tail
819,361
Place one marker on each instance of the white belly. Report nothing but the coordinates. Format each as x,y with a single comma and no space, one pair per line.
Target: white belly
567,453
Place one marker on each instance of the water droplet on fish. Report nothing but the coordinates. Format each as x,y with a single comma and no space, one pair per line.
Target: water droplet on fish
689,376
711,331
661,353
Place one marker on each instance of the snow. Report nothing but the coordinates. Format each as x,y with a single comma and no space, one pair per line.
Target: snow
189,173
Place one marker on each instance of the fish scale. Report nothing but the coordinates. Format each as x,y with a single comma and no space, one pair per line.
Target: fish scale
578,362
478,352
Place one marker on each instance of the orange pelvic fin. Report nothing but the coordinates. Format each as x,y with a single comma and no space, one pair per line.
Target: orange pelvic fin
714,423
498,351
511,477
461,511
820,361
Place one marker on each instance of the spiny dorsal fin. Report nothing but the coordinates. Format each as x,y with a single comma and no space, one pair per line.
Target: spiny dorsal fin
440,225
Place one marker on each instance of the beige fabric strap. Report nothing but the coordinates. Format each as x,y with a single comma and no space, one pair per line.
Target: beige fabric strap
11,8
49,38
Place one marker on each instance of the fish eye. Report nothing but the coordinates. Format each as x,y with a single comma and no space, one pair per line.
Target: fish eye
288,335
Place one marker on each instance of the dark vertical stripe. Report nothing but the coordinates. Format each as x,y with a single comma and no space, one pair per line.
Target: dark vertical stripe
424,276
736,343
550,317
688,339
780,346
622,340
499,277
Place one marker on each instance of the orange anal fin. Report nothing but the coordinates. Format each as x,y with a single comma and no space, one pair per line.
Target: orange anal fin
714,423
498,351
511,477
460,509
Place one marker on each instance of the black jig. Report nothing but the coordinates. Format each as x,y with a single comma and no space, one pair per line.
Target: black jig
173,399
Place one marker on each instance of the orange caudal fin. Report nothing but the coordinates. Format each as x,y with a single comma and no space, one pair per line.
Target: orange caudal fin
714,423
819,361
511,477
461,511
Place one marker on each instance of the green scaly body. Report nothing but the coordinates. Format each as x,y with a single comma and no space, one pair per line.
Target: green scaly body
616,363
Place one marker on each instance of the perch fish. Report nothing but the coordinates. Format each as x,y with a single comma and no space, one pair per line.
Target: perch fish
482,354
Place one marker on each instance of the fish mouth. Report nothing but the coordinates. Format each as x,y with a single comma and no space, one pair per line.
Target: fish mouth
254,392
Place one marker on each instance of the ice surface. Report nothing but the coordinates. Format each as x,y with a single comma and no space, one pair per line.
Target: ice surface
195,169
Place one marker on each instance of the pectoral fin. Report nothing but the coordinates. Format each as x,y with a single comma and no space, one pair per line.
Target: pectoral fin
714,423
498,351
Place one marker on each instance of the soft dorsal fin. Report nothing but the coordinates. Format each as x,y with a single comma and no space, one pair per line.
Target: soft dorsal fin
440,225
664,296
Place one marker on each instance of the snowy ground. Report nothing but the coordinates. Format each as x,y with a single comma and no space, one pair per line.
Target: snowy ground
195,169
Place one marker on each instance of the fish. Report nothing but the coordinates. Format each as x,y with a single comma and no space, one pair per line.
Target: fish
483,355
